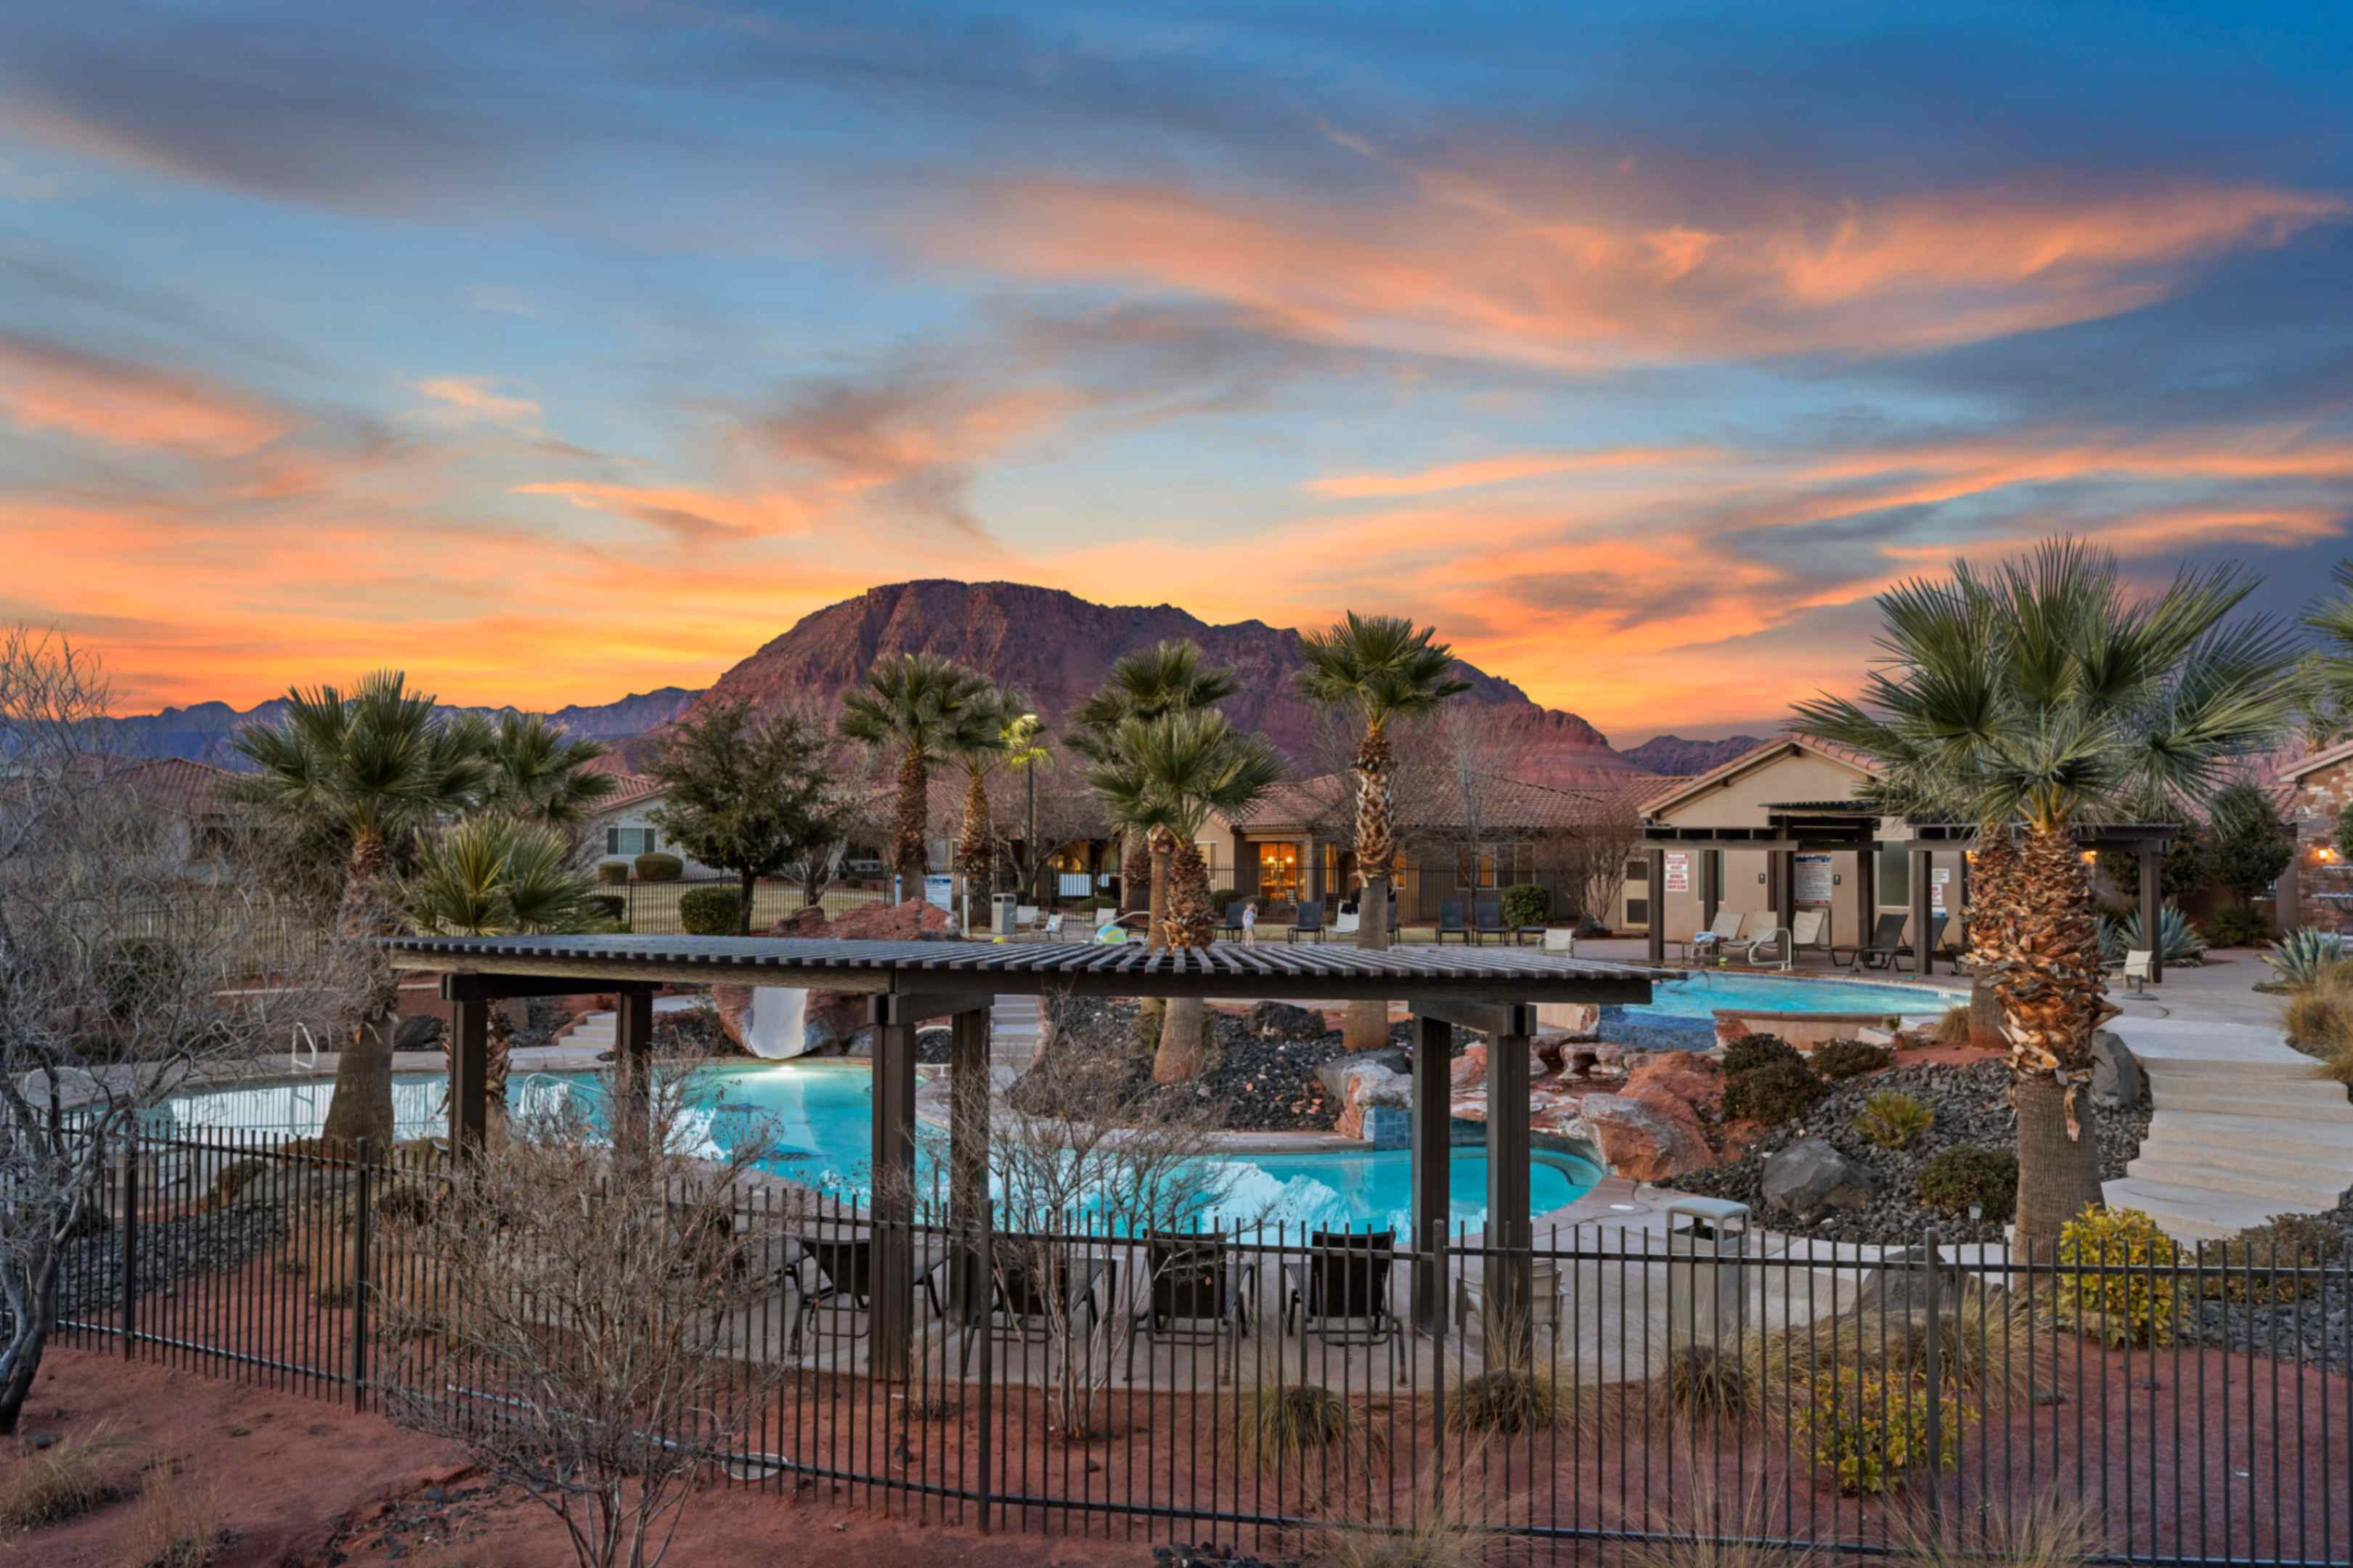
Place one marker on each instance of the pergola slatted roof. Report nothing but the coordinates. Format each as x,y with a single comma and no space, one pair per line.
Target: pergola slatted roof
1287,972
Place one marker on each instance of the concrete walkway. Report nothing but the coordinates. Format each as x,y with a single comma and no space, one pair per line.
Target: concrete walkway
2246,1127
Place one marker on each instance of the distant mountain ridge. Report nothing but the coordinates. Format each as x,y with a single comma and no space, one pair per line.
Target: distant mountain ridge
201,731
1674,756
1054,647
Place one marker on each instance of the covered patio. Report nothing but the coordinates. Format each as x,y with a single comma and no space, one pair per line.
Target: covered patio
1492,992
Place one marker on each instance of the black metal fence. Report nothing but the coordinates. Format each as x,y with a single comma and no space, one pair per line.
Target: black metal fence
1262,1385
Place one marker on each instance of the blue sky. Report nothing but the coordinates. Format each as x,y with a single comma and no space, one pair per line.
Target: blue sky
554,352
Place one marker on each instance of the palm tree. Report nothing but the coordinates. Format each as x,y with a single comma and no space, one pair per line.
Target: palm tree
2033,699
1375,668
367,773
983,737
911,702
541,773
1169,678
495,875
1166,775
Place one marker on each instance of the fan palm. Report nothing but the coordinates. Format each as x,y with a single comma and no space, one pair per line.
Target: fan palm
541,773
368,772
1169,678
495,875
1166,775
2041,697
911,703
1373,670
983,739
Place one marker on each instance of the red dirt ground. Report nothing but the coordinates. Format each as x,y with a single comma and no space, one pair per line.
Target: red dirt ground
310,1484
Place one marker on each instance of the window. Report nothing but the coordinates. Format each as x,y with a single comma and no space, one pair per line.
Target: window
1894,876
1638,911
1638,870
1496,866
1278,871
631,841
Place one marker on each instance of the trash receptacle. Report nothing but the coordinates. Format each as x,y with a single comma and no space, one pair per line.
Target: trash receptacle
1705,1301
1004,913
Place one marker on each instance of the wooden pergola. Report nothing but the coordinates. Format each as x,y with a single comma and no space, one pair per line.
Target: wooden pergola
911,983
1827,826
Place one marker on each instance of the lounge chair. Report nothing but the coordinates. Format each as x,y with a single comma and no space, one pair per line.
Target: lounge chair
1198,1294
1560,940
1886,942
1340,1290
1487,918
1023,1304
1724,928
1308,921
2137,963
1936,936
1780,946
845,1279
1449,921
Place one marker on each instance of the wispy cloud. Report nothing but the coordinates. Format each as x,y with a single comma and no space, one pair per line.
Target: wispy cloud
46,386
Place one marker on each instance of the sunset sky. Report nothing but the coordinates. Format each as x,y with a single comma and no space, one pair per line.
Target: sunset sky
557,352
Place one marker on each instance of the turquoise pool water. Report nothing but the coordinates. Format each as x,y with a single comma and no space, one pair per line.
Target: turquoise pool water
1708,990
819,1114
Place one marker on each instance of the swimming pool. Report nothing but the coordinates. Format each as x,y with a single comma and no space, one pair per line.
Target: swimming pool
1708,990
819,1113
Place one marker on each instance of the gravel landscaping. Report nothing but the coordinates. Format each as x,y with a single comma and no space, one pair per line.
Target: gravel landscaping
1971,1105
2319,1328
185,1247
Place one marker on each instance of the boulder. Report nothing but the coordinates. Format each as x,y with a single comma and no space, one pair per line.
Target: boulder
1690,1077
1282,1020
2116,1079
1569,1020
1810,1178
1645,1140
421,1033
1469,1073
1364,1086
1333,1074
913,921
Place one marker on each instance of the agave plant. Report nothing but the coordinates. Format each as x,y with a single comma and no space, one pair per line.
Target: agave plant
2183,941
2299,957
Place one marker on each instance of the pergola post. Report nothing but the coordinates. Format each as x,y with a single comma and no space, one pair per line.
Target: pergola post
1924,956
968,1150
1783,863
1658,902
1433,1154
1508,1272
633,1049
2152,910
469,1074
1866,891
892,1204
1711,885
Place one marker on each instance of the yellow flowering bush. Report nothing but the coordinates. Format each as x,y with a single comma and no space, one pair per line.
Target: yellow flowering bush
2118,1299
1869,1427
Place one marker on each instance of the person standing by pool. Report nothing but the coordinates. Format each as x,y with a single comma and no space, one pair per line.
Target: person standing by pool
1250,925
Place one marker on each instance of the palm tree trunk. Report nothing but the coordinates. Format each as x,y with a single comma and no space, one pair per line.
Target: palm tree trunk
909,858
498,1058
1366,1027
2053,999
361,1106
1992,916
1181,1055
745,882
974,853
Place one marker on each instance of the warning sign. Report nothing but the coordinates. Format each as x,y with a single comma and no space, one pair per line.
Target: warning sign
1678,872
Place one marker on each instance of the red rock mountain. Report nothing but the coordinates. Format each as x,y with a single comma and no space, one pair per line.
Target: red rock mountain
1056,647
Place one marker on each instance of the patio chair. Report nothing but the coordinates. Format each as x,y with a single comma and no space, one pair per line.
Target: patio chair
1234,921
1340,1290
1052,930
1197,1295
1544,1301
1780,946
1886,942
1724,928
1025,916
1487,918
1560,940
845,1279
2137,963
1027,1303
1936,936
1344,923
1449,921
1308,921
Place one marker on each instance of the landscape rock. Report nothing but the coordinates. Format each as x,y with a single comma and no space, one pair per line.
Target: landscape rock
913,921
2117,1078
1685,1076
1645,1140
1283,1020
1810,1177
1569,1020
1364,1085
421,1033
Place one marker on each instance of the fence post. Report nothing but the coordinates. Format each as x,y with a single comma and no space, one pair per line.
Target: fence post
1933,1359
985,1268
361,1232
128,1165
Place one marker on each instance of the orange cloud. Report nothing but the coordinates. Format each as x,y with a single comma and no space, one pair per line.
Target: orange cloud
470,397
1505,469
1531,261
684,513
45,387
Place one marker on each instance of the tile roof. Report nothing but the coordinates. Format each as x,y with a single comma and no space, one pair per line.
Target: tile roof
181,784
1424,798
629,789
1659,800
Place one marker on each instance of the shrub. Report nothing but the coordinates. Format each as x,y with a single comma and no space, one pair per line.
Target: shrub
1704,1383
1952,1179
140,972
1508,1400
1892,1119
1952,1031
604,907
1778,1092
710,911
65,1480
179,1524
2263,1262
2129,1307
1841,1060
235,1177
1282,1426
655,866
613,871
1221,896
2177,936
1753,1051
1868,1428
1526,904
2298,957
2319,1016
2239,925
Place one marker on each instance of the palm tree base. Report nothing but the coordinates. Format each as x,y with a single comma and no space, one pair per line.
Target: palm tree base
1183,1052
361,1106
1366,1027
2058,1176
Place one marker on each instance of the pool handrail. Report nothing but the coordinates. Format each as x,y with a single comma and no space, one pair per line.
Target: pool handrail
298,1040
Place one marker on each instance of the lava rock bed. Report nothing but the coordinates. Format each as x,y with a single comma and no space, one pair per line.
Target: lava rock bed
2316,1329
1971,1104
1184,1555
186,1246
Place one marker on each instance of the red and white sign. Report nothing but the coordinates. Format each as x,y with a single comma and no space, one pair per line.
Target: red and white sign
1678,872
